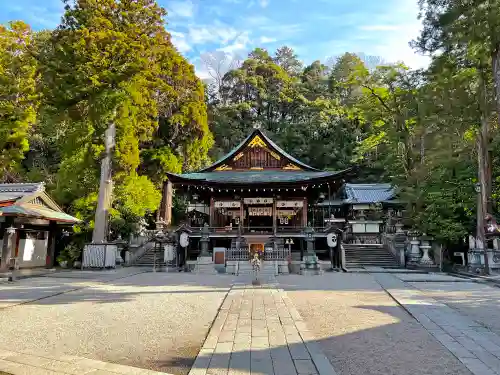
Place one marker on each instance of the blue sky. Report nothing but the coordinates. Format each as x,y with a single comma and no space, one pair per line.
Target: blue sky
316,29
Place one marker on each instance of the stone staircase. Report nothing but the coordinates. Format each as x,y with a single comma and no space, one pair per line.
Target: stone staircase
371,255
147,259
267,268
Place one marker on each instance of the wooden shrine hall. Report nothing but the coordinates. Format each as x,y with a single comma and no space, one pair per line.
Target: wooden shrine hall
255,195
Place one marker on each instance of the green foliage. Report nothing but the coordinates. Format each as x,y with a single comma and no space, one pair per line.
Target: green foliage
113,61
18,98
70,254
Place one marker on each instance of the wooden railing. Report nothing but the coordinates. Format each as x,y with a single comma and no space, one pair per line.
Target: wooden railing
257,230
277,254
243,254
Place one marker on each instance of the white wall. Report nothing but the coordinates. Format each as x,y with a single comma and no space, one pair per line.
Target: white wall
33,252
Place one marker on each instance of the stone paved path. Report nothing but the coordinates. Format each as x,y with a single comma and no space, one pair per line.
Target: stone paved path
474,344
259,331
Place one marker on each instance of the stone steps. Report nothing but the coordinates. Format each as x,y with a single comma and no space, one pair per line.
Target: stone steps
359,255
147,259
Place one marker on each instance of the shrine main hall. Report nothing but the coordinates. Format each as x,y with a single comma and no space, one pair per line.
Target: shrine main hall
259,198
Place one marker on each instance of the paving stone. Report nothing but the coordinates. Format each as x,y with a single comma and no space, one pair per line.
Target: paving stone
262,367
242,347
203,360
242,337
243,329
290,330
262,332
284,368
226,336
299,351
259,333
293,339
240,361
477,367
260,342
305,367
219,362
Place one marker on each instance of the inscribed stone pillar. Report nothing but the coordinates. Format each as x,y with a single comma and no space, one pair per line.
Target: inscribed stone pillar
8,239
168,204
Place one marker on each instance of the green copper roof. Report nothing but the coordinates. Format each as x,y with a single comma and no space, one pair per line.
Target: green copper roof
259,132
254,177
39,212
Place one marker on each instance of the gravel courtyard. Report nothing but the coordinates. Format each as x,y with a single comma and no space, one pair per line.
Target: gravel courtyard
159,321
156,321
363,331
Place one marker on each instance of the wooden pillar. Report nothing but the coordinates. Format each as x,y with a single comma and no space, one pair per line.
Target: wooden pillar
274,215
212,212
51,245
242,224
304,213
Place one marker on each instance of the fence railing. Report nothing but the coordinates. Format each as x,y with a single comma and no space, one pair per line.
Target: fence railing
257,230
241,253
277,254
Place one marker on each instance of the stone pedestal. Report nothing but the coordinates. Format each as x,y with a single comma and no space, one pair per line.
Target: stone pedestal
283,268
425,246
399,243
205,265
310,265
414,254
475,258
232,267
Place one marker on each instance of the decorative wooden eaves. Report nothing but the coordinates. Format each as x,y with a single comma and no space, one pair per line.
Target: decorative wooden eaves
256,153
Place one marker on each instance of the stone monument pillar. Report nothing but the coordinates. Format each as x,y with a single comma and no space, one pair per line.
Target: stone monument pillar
414,255
205,263
8,239
100,254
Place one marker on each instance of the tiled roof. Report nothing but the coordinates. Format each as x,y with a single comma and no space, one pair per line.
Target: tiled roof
256,177
16,199
28,188
369,193
29,210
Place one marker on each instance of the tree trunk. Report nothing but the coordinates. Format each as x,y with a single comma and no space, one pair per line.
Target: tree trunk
495,63
481,202
484,168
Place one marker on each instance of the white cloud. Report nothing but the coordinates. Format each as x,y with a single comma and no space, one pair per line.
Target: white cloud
388,35
265,39
179,41
263,3
239,44
379,27
215,33
181,8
